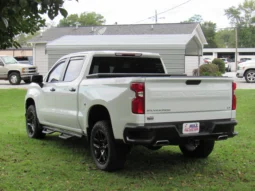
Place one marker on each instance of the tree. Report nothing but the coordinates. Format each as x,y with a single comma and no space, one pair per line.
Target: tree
225,38
208,28
22,39
246,37
242,18
241,15
194,19
24,16
234,15
248,7
84,19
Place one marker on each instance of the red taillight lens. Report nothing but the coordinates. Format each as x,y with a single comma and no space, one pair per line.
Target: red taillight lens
233,86
233,96
138,101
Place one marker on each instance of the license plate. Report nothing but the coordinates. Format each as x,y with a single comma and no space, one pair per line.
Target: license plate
188,128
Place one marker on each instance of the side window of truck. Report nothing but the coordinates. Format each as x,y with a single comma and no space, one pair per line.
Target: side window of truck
73,69
56,72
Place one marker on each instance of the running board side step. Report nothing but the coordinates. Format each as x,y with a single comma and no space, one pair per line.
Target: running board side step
48,131
64,134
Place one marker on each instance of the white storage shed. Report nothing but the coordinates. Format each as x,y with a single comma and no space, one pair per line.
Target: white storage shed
181,53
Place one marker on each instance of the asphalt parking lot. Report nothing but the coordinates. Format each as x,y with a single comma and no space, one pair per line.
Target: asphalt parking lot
241,83
4,84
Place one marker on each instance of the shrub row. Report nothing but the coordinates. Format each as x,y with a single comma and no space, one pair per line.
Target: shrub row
217,68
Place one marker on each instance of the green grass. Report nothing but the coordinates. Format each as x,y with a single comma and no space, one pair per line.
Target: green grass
56,164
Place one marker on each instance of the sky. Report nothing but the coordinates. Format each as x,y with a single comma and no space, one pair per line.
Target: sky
139,11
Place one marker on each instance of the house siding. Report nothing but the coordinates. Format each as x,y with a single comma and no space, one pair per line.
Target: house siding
40,58
173,59
191,63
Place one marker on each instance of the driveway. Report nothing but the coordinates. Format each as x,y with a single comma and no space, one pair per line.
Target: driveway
4,84
241,83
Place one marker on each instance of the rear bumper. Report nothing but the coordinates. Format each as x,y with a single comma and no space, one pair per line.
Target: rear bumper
171,133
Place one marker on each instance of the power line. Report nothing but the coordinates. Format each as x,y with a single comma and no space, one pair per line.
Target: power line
165,11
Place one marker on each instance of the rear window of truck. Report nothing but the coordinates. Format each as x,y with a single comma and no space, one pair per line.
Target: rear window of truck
126,65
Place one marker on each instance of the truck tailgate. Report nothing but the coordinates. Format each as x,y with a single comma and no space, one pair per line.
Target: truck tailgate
188,95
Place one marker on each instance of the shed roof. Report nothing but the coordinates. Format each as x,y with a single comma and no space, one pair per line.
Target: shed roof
179,40
133,29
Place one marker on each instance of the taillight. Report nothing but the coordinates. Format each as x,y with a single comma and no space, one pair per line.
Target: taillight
138,103
233,96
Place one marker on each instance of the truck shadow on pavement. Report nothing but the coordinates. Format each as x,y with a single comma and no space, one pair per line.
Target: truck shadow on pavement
140,160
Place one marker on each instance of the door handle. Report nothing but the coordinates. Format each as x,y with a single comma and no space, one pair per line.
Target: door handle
72,89
52,89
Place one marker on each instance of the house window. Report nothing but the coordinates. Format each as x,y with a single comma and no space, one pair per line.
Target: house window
207,53
246,53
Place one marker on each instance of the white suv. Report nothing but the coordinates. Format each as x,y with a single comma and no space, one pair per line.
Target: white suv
247,70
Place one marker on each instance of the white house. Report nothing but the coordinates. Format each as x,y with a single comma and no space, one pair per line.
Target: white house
229,53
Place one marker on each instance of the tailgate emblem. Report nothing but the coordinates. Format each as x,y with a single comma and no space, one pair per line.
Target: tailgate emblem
150,118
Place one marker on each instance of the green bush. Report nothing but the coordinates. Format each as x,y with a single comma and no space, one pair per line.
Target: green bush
220,63
207,70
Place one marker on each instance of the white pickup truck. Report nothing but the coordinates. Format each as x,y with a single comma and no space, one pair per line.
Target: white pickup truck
121,99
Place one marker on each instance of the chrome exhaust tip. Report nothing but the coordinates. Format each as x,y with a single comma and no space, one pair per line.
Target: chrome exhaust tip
222,137
162,142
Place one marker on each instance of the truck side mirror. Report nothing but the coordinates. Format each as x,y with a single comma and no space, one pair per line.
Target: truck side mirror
1,63
37,79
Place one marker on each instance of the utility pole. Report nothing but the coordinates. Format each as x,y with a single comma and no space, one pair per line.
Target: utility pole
156,16
236,46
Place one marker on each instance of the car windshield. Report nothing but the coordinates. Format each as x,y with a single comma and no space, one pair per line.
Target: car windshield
9,60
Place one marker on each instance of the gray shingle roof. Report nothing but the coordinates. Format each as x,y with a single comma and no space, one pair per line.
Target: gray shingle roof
135,29
132,40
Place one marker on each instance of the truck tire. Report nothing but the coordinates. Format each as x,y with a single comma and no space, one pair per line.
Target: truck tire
202,150
14,78
107,154
250,76
33,127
